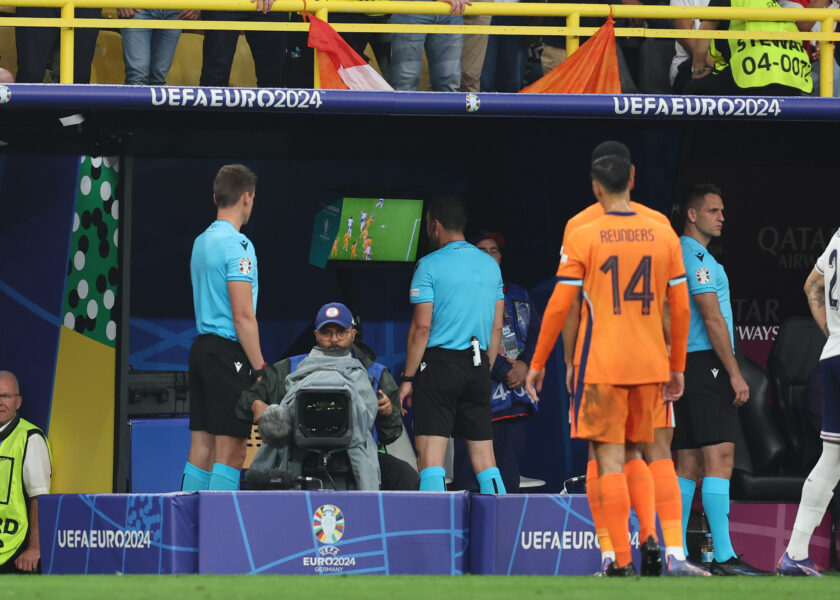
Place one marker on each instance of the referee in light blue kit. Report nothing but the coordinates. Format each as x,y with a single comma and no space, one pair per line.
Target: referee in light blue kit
454,336
225,357
707,415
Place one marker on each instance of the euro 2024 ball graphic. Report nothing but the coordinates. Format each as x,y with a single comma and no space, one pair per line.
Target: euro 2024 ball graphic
473,102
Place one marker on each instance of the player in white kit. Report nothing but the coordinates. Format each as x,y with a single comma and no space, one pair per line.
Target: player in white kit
823,291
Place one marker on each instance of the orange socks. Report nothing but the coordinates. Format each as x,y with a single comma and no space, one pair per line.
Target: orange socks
615,509
652,488
640,486
593,495
668,501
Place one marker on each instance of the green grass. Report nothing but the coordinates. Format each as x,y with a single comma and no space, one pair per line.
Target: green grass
394,232
364,587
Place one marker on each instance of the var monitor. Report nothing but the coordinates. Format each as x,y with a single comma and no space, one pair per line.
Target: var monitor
378,230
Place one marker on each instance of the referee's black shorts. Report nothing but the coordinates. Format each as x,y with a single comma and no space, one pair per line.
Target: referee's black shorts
705,415
451,396
219,372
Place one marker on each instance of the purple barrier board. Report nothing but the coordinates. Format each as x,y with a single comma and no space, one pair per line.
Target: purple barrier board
536,534
471,105
118,533
328,533
762,532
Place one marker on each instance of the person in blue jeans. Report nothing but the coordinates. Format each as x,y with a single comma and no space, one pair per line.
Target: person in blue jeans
443,50
504,61
148,53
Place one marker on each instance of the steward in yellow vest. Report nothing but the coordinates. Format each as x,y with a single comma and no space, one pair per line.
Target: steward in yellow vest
20,484
759,63
754,67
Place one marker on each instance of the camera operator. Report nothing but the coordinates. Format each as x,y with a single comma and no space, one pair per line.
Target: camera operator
335,335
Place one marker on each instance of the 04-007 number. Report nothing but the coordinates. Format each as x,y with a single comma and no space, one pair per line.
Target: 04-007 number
788,64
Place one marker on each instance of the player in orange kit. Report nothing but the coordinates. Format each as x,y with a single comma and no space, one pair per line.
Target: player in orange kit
659,472
625,264
366,229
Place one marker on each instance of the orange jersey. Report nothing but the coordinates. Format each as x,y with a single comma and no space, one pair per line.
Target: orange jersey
587,215
625,264
594,211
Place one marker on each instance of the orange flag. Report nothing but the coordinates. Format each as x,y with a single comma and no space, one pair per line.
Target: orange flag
593,69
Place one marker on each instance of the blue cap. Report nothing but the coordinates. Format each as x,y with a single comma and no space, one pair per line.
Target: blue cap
334,312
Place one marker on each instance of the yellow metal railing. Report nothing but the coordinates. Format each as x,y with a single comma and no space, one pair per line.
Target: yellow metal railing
572,30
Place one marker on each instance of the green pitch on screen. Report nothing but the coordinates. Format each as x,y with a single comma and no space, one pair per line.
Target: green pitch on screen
393,233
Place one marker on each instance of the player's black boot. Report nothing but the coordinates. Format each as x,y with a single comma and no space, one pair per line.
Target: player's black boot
735,566
627,571
651,558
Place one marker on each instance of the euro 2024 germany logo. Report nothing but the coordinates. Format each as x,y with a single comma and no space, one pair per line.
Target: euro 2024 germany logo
328,524
328,527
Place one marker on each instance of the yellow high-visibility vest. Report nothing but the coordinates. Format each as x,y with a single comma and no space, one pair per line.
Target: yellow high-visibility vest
757,63
14,516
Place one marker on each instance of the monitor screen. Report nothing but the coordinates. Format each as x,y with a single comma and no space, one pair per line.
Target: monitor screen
378,230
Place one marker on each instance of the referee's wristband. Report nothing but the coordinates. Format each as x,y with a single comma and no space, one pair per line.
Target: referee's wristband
406,378
257,373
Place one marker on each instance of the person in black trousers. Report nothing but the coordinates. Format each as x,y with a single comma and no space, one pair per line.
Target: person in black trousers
35,45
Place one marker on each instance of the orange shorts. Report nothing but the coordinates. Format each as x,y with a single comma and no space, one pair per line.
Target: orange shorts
615,414
663,413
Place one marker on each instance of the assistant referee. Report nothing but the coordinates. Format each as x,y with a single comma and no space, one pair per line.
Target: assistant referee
226,355
707,416
455,330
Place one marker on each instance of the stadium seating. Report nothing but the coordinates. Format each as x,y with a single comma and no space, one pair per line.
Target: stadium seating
8,51
108,65
759,473
794,355
186,65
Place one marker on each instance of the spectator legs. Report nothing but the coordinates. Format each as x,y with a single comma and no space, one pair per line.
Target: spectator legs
148,53
269,51
217,51
407,52
444,54
504,64
472,55
137,53
35,45
267,47
164,43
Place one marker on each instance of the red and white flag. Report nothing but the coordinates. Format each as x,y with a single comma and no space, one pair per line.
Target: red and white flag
340,67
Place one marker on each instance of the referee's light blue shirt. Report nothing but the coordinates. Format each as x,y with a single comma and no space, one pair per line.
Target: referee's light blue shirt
704,274
220,254
464,284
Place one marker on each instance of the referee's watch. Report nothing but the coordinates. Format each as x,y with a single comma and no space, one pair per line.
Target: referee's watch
407,378
257,373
